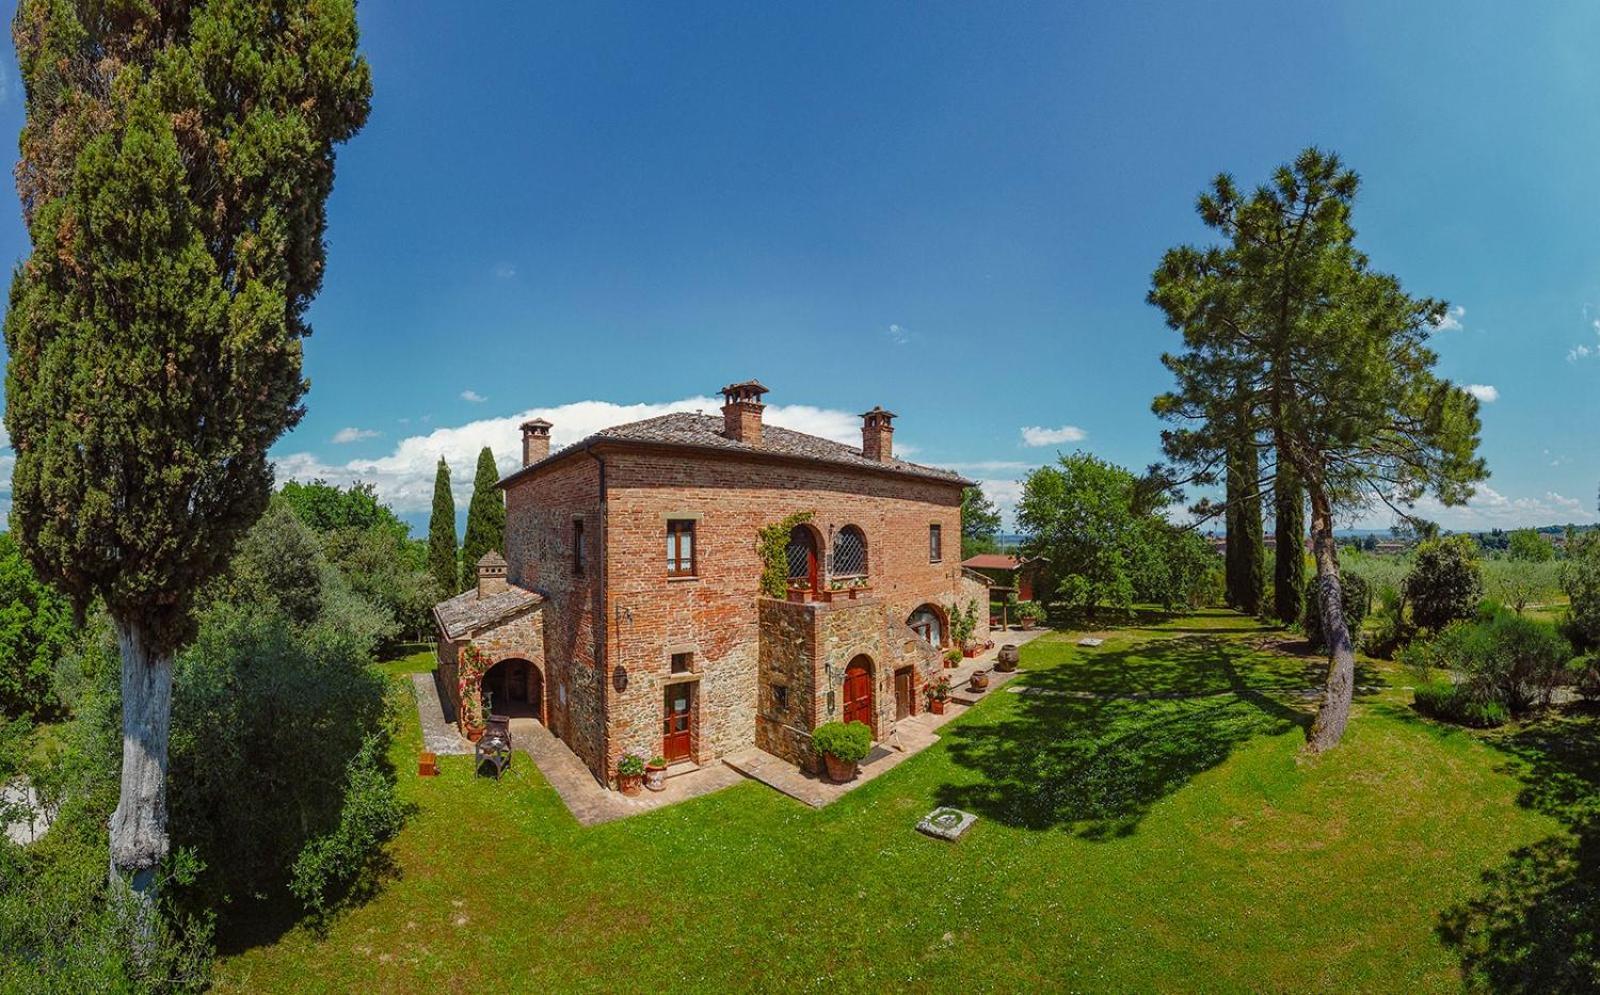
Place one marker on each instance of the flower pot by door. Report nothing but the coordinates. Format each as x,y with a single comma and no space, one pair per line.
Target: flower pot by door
630,784
936,706
840,771
655,778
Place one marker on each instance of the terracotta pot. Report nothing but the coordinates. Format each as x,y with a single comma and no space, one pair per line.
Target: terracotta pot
630,784
475,733
980,680
840,771
969,651
1006,662
1027,624
799,595
655,778
936,706
427,765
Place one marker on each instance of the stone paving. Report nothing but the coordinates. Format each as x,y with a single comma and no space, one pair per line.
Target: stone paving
910,737
439,734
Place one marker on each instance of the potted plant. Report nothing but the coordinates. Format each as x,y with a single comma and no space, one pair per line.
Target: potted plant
938,694
952,657
655,773
630,773
963,623
1030,613
843,746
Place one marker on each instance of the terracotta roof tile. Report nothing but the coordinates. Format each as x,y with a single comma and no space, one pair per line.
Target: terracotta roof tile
466,613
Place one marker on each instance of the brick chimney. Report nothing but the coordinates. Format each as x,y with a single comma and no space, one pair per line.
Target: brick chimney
877,435
741,411
491,575
535,441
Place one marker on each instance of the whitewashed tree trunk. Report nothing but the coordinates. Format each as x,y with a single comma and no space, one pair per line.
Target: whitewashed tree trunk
139,825
1335,711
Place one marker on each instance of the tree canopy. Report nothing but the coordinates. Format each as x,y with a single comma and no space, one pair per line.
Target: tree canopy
1295,346
486,518
980,523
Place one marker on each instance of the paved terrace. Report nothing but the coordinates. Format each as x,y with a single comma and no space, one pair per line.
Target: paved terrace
592,804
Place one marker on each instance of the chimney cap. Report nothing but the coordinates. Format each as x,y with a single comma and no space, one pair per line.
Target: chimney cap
879,413
535,424
491,559
747,390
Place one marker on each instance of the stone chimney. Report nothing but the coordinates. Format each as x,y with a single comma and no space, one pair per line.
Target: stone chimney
535,441
741,411
491,575
877,435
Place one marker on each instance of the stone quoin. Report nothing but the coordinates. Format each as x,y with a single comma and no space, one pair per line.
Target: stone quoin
627,612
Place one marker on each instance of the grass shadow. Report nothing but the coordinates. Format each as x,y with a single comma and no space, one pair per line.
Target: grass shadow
1535,926
1095,765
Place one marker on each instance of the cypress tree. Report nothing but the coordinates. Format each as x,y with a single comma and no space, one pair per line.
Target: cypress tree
442,534
486,518
1289,560
175,164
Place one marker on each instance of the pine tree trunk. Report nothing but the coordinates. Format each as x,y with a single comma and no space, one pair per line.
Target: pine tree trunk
1335,711
1288,570
139,824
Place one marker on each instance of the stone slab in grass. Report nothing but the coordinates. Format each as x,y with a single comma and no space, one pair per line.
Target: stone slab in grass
1090,641
946,823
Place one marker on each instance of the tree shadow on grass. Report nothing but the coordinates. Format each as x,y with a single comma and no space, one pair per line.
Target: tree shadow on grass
1095,766
1535,927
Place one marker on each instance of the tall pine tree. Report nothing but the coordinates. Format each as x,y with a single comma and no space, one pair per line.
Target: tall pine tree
442,534
1289,556
1244,565
486,518
175,164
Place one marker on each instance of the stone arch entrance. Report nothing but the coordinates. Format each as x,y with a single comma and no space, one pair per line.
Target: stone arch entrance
928,621
514,687
858,693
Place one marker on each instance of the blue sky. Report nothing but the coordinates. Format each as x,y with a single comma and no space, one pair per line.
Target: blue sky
949,210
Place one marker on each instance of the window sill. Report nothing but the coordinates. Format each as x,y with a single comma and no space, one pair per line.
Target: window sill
671,579
681,678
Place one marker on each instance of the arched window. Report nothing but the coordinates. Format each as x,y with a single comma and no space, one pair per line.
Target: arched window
850,553
928,623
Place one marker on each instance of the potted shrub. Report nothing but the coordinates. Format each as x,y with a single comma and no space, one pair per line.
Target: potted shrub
963,623
655,773
938,694
1030,613
843,746
952,657
630,773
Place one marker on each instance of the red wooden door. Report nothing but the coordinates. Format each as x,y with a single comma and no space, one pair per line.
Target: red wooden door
677,726
858,693
902,692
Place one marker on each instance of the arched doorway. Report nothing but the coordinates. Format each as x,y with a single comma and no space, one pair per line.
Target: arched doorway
928,622
804,558
514,688
858,692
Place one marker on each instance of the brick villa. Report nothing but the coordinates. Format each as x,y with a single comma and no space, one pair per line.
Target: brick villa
627,614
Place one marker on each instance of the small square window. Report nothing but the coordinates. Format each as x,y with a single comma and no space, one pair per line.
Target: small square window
682,663
780,698
935,544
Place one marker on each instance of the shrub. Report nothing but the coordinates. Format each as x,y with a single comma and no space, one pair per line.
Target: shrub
369,817
1583,673
1502,657
1392,629
1443,700
849,741
1032,611
1580,578
1356,599
1445,583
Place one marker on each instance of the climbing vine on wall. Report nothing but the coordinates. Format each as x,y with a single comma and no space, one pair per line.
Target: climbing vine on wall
469,686
772,543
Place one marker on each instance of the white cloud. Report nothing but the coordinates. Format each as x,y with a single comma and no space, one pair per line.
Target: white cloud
1005,494
898,334
1033,435
1483,392
473,396
1451,321
1578,352
404,477
990,466
1490,509
345,435
504,271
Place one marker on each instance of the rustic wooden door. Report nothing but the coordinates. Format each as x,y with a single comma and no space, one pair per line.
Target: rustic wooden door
858,692
804,563
902,693
678,724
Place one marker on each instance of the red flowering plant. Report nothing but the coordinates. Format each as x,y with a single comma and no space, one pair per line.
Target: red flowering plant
469,686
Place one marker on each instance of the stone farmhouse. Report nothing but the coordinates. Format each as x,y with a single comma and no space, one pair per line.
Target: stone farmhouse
627,614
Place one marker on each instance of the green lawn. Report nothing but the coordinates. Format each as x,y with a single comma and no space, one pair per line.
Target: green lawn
1124,843
418,662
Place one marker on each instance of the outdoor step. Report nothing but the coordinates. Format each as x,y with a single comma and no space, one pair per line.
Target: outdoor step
680,768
